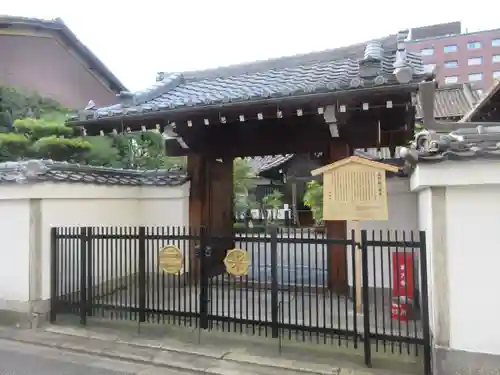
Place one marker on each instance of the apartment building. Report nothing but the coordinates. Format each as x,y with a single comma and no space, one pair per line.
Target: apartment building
459,57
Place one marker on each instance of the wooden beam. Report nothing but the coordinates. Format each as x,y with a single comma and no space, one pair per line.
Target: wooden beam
337,254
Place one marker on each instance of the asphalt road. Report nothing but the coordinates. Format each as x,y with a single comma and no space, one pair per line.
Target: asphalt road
24,359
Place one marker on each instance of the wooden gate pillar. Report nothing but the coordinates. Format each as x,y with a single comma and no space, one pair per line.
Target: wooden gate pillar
211,206
337,254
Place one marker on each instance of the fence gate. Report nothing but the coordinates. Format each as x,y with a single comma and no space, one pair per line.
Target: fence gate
114,273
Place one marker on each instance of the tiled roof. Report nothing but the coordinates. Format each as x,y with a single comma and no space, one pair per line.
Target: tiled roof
58,26
51,171
461,144
382,153
323,72
263,163
452,101
474,114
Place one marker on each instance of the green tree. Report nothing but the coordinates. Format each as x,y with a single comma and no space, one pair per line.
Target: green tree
143,150
21,103
13,146
34,127
102,152
272,202
36,139
243,183
313,198
243,177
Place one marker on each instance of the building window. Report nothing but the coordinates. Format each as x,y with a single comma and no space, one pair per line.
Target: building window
427,51
474,77
495,43
474,45
451,48
451,64
496,59
496,75
451,79
429,68
475,61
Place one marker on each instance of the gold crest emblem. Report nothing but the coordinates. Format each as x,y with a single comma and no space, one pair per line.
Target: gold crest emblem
237,262
171,260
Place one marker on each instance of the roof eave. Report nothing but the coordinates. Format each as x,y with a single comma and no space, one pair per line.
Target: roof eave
410,87
468,116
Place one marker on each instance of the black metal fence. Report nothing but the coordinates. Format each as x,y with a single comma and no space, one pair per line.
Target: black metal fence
289,291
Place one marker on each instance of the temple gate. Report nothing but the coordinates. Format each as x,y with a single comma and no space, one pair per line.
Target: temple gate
327,103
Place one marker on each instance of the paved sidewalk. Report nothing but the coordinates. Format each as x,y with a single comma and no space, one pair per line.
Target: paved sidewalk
208,357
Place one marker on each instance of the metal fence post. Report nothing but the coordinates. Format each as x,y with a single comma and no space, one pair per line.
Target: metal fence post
90,272
204,299
274,283
366,299
425,305
83,276
54,274
142,274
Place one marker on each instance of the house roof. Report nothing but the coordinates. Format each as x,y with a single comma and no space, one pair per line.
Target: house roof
33,171
475,113
59,27
365,65
452,101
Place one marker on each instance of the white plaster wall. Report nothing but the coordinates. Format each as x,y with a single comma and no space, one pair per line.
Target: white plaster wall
403,217
473,224
14,253
425,222
469,320
82,205
74,212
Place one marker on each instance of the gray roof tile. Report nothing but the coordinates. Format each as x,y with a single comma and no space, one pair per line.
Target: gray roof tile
382,153
32,171
461,144
329,71
480,110
263,163
452,101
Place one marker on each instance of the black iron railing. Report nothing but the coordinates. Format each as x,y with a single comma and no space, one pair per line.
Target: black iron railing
291,290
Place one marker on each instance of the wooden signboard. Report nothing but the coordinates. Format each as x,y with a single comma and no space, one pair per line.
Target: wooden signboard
355,189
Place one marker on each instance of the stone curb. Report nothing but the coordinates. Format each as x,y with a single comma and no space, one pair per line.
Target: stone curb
229,356
209,368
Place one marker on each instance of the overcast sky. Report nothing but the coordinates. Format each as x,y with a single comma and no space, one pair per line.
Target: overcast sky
136,39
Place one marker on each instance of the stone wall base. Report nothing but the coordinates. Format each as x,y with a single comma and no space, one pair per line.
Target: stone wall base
451,362
24,314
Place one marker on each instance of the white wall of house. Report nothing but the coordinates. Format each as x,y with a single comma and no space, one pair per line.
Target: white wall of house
27,212
459,207
403,219
14,253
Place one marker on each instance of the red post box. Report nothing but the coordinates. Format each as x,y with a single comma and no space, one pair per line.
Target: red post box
403,275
